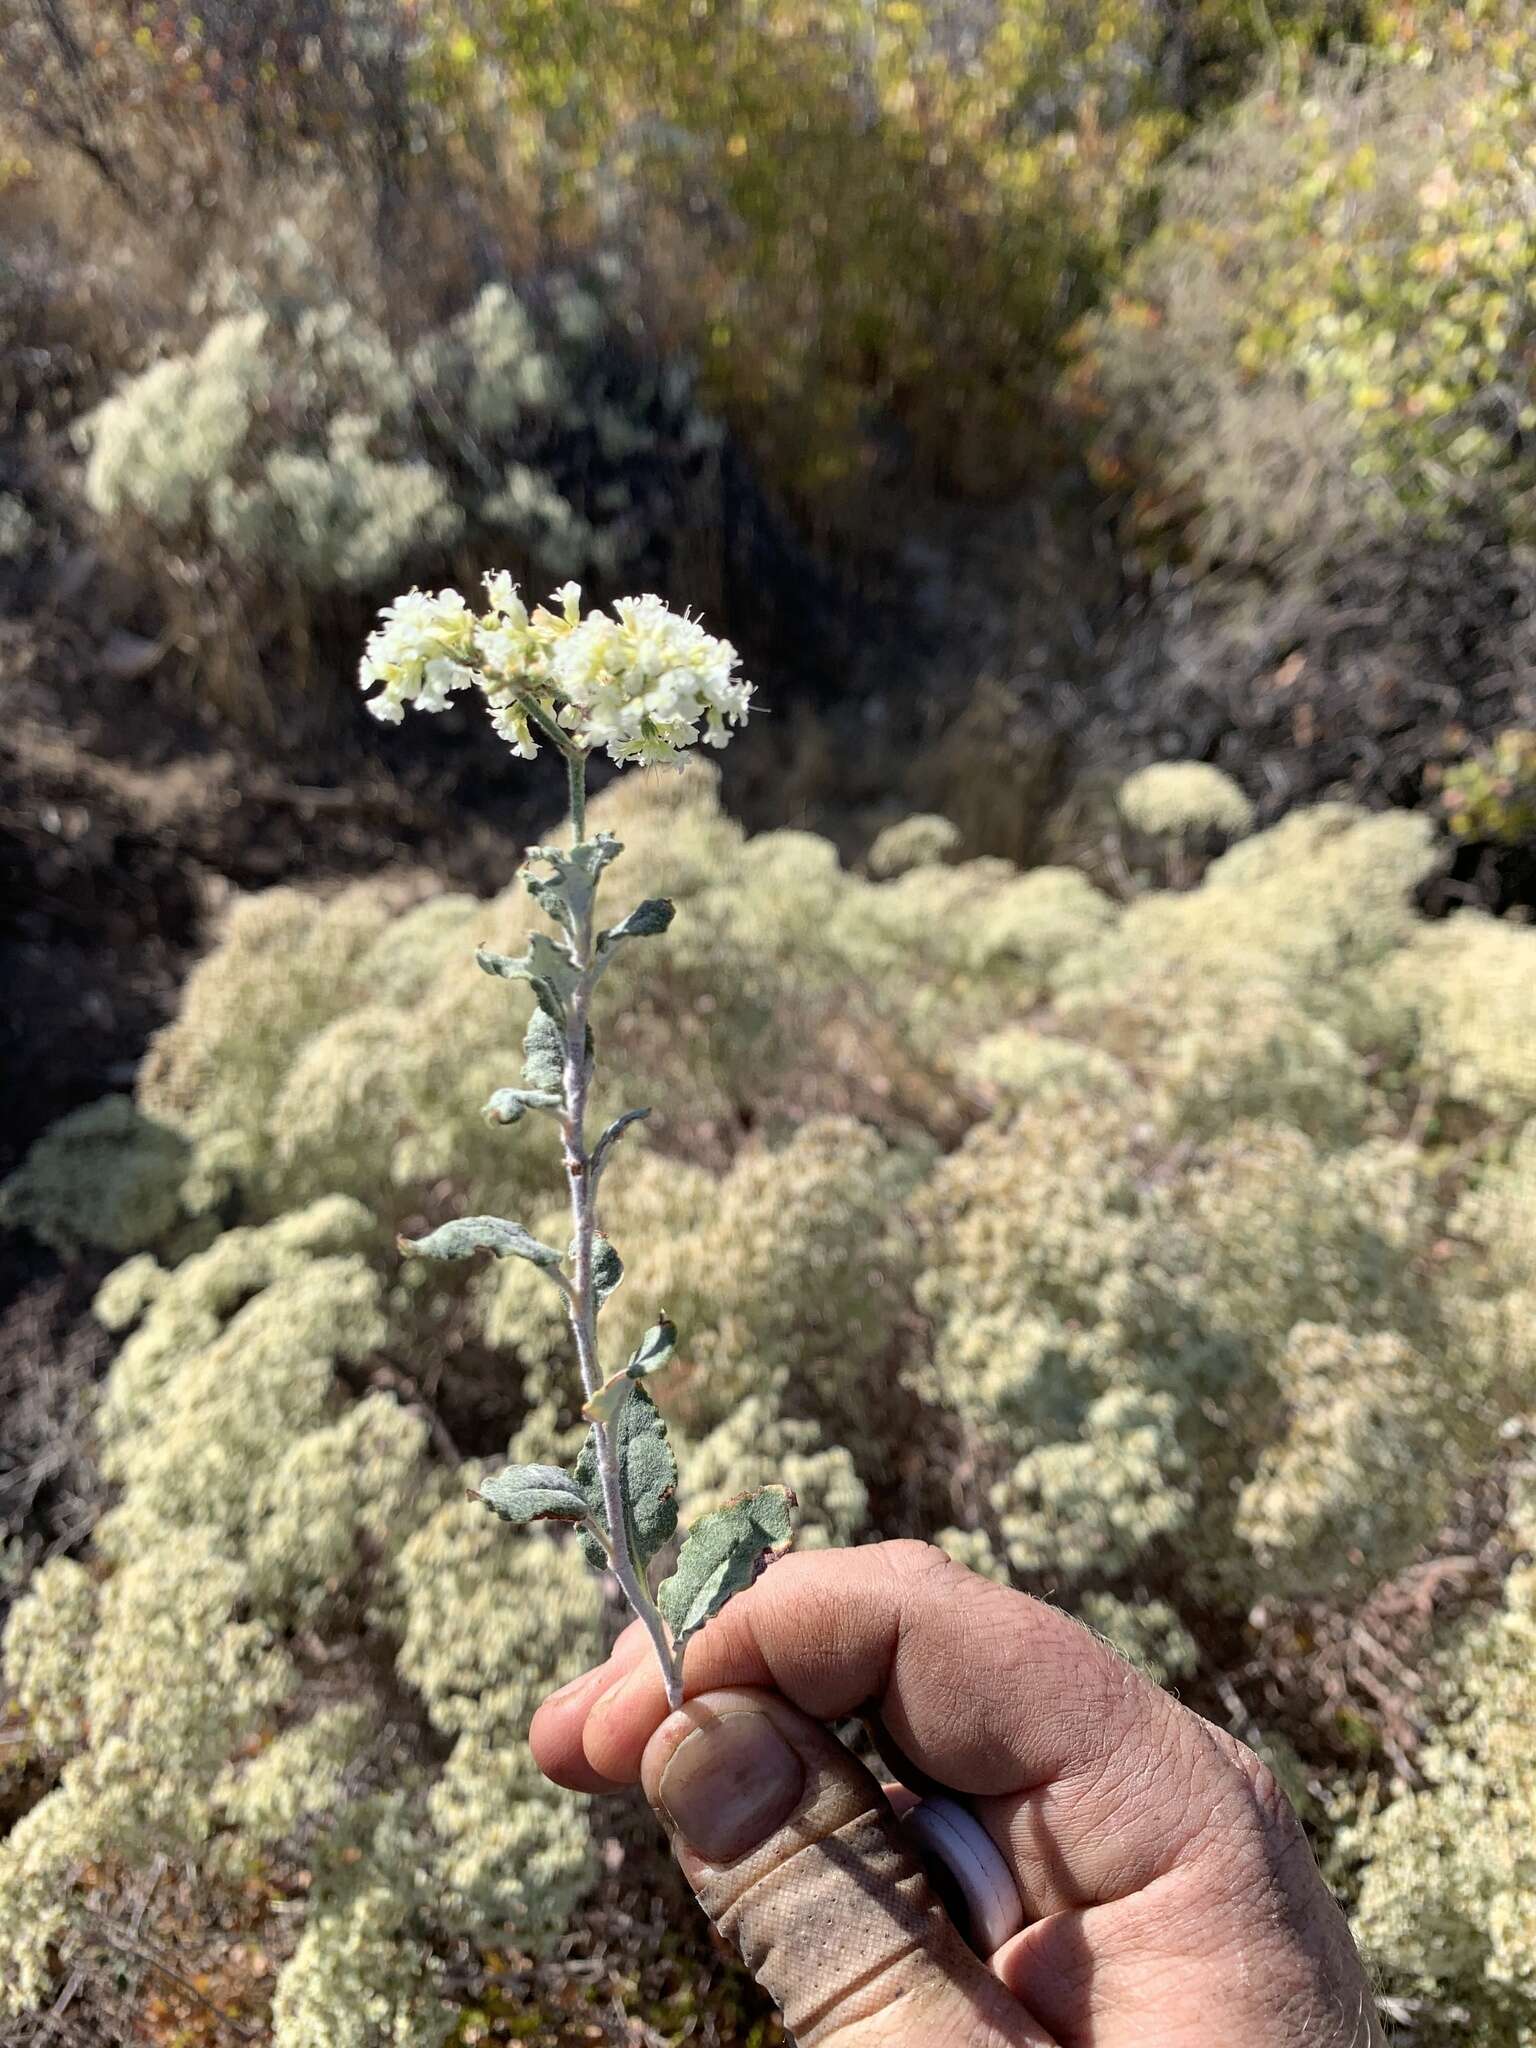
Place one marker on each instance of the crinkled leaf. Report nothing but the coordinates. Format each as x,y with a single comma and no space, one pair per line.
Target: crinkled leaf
654,1350
470,1234
647,1477
544,1053
546,967
510,1105
607,1269
534,1493
648,920
721,1555
567,894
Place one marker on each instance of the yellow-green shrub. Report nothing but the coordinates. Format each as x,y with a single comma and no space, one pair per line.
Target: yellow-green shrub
1492,795
860,213
1327,333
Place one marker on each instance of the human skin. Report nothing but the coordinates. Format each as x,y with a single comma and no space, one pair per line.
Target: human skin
1171,1899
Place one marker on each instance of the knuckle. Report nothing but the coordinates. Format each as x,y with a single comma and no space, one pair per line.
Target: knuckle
911,1562
1256,1834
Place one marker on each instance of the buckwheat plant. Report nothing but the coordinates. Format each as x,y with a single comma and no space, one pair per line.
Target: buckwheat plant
646,684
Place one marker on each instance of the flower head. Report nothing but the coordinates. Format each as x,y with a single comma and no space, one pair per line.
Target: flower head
421,652
645,683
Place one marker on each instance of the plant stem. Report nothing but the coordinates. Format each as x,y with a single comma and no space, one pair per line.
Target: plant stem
581,1301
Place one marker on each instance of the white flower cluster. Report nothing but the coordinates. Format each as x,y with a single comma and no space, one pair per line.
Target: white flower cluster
642,683
421,654
645,683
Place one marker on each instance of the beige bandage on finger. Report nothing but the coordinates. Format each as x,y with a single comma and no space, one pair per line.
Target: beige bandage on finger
791,1848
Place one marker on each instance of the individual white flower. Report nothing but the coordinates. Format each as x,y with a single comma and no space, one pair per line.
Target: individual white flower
510,719
502,600
421,652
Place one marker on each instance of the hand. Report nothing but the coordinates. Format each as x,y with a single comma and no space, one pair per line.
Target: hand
1171,1900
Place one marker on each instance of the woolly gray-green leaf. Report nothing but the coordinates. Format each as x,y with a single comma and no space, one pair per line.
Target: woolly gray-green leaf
469,1234
567,894
546,967
607,1269
647,1479
510,1105
648,920
544,1053
654,1350
721,1556
534,1493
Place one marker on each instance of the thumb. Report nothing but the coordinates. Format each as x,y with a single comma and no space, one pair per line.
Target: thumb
789,1844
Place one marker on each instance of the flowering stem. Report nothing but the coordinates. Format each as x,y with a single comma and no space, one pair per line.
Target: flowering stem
581,1295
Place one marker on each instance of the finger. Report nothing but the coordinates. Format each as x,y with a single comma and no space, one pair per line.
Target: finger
554,1735
1091,1780
788,1843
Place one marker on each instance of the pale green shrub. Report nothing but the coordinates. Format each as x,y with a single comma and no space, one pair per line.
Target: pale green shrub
257,1502
18,529
489,1628
1227,1059
1470,985
1175,798
1128,1323
103,1175
288,964
1147,1633
46,1647
1206,1327
1025,1065
289,445
785,1272
918,842
1500,1212
161,1726
973,1548
1030,923
757,1444
170,433
1363,1470
1444,1905
1098,1501
1210,1053
355,1980
1311,907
